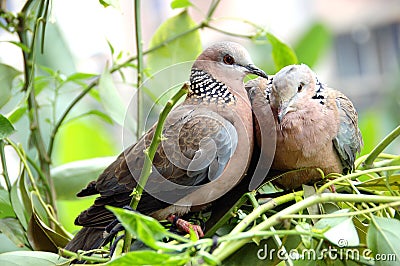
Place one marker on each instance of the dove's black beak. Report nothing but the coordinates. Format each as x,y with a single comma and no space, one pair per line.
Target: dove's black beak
252,69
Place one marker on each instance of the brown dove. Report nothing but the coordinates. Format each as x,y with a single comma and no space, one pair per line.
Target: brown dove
206,149
316,126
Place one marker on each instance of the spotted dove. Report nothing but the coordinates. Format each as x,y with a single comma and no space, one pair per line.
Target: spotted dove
316,126
205,151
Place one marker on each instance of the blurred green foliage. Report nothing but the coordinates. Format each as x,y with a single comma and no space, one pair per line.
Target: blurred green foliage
313,44
84,138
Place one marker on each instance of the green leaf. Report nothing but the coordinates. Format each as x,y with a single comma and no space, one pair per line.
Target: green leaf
19,209
70,178
149,257
113,3
6,245
26,201
180,4
313,44
111,47
6,128
41,83
79,76
43,238
31,258
362,230
110,99
20,45
7,75
6,209
339,230
17,113
383,237
11,228
282,54
267,188
306,239
185,48
145,228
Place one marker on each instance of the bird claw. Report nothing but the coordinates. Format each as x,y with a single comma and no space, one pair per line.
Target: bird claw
185,226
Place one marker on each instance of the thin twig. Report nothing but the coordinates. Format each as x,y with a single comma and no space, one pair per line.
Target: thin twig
229,33
149,155
342,214
227,248
66,112
139,52
29,73
356,174
4,166
277,240
77,256
139,76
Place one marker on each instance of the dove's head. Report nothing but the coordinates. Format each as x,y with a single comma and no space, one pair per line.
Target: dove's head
227,62
290,87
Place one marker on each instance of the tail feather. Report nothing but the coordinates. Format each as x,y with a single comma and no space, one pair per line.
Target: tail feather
86,239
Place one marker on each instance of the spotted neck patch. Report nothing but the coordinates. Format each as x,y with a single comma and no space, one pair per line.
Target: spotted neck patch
319,93
206,88
267,90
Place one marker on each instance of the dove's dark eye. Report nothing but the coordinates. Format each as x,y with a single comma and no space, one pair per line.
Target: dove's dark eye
300,87
229,60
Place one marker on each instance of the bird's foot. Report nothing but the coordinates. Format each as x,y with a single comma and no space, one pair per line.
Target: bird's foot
185,226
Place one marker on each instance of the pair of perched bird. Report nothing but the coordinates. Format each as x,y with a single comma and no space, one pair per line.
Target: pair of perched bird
208,141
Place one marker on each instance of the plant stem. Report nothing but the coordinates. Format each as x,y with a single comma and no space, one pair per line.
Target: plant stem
263,208
230,247
149,156
353,175
77,256
151,150
50,213
227,216
29,72
154,48
277,240
211,10
139,52
368,163
249,236
67,111
4,166
229,33
344,214
39,172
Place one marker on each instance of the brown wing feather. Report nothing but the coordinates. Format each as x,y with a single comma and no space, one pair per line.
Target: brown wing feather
348,141
116,182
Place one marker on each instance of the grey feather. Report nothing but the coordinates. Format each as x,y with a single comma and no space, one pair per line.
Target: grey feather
348,141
